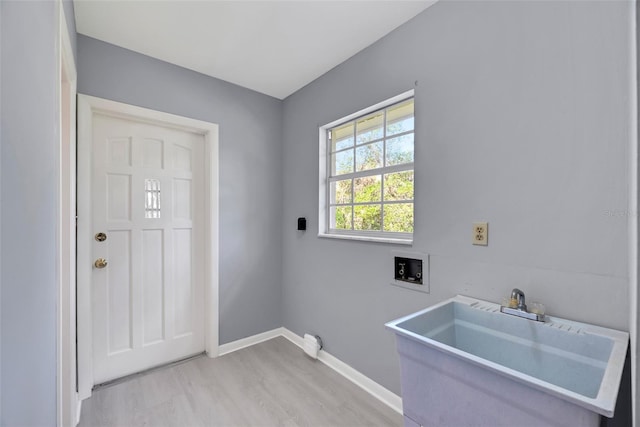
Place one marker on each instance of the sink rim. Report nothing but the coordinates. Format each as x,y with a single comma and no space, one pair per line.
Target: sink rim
603,403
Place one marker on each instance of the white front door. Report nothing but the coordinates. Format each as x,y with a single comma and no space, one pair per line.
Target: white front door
148,201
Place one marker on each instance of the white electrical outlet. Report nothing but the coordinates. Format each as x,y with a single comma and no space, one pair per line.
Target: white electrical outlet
480,234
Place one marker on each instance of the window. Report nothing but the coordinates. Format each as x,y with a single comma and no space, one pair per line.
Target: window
367,182
151,198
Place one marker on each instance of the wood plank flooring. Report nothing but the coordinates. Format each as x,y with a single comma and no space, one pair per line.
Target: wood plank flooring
269,384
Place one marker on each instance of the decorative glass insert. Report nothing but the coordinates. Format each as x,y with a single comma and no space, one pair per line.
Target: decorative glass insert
151,198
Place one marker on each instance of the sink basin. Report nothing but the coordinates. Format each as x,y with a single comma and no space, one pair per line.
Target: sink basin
572,361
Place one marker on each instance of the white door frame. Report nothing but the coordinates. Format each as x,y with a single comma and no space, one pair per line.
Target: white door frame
87,106
633,210
67,396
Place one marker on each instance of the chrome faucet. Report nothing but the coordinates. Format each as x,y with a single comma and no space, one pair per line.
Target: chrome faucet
520,308
518,295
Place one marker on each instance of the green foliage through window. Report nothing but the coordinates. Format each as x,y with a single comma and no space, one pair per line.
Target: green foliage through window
372,179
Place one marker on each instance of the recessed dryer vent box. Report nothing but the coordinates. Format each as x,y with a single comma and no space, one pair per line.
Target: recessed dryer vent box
411,270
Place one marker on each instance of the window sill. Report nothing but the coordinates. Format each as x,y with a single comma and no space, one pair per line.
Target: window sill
373,239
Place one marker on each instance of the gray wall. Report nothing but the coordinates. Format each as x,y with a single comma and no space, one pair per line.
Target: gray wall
71,25
28,176
634,339
1,119
250,170
523,119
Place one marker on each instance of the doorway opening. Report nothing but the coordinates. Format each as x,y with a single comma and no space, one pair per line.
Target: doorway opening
160,187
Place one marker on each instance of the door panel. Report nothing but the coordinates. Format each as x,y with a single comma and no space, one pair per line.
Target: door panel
182,280
153,286
118,282
148,197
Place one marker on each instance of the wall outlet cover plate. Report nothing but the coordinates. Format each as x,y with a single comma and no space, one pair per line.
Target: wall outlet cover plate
480,234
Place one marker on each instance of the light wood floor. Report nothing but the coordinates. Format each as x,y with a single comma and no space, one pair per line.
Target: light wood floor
268,384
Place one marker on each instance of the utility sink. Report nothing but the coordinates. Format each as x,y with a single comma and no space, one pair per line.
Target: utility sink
577,363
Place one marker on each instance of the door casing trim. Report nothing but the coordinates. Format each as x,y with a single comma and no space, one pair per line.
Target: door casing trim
87,107
67,396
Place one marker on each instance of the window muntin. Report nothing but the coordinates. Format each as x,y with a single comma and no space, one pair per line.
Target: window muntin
370,182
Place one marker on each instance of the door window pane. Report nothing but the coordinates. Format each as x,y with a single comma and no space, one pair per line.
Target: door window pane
151,198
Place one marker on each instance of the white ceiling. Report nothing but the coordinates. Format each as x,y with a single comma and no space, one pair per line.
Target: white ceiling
273,47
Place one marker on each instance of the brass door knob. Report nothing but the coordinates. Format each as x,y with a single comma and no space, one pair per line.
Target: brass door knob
100,263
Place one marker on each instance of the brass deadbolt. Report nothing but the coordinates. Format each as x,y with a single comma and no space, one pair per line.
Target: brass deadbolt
100,237
100,263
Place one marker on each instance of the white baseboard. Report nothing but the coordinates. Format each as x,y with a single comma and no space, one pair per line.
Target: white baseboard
249,341
381,393
384,395
296,339
78,410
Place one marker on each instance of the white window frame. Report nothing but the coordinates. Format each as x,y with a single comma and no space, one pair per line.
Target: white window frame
323,185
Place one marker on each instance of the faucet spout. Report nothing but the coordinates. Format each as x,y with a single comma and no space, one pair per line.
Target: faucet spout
518,295
517,307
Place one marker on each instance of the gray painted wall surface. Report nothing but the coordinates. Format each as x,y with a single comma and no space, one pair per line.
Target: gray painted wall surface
29,135
250,170
523,119
635,348
71,25
523,127
1,215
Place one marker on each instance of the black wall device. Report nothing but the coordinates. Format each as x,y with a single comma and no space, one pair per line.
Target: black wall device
302,224
408,270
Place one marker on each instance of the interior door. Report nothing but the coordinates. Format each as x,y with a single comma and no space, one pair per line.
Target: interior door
148,245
